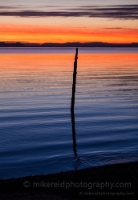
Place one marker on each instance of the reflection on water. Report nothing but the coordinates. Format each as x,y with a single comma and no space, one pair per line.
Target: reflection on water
77,159
36,133
74,134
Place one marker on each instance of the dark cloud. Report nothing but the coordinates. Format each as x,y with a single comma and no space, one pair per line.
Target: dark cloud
7,7
114,28
114,12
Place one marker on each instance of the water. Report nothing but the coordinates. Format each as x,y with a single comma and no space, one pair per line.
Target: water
35,121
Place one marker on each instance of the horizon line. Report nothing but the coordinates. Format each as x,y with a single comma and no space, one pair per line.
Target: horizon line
65,44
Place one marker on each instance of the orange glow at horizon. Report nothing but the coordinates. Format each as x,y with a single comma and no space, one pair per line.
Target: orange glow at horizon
61,34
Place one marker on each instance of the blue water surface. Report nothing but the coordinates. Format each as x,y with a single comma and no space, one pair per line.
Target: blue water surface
35,119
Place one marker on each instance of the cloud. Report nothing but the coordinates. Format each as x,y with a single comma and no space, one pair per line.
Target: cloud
114,12
114,28
7,7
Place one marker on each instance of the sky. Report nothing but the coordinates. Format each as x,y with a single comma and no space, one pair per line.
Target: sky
60,21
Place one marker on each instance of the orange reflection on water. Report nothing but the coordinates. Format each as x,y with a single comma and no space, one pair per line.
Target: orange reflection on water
20,62
108,61
55,70
35,61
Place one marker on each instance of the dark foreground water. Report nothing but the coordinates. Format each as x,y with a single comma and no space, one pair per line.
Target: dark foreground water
35,121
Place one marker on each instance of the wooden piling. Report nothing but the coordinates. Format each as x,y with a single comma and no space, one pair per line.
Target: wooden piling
74,81
72,104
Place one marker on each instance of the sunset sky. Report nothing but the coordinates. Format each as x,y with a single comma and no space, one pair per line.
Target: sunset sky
60,21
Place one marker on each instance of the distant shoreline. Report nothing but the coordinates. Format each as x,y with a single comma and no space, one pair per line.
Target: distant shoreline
96,182
74,44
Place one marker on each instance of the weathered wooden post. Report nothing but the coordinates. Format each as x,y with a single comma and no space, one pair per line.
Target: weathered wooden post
73,102
74,81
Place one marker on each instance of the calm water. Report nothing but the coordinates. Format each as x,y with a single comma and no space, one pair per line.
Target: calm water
35,121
